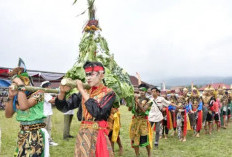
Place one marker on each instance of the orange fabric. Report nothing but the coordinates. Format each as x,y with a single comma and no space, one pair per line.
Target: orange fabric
170,120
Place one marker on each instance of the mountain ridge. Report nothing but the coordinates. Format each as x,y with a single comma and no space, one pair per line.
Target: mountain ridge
186,81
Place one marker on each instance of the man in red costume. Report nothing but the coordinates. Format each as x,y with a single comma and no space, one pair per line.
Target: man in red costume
94,109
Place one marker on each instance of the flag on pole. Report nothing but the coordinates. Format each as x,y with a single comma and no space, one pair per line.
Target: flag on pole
21,64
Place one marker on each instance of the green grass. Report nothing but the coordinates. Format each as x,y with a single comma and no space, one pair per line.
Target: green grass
217,144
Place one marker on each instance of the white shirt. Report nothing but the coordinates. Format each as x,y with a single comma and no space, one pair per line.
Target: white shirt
155,115
47,104
162,102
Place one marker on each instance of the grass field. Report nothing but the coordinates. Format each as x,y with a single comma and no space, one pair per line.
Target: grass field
215,145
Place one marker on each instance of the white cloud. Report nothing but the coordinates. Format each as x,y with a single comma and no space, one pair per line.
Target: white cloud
157,38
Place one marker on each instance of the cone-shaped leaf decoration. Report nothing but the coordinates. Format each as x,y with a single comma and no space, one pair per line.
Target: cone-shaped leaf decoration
93,47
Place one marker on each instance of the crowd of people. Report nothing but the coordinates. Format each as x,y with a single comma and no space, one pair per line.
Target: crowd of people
195,111
155,112
181,112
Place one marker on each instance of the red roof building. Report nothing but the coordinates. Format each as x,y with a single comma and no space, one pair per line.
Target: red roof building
54,77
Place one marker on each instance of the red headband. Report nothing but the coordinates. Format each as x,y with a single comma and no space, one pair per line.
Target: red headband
95,68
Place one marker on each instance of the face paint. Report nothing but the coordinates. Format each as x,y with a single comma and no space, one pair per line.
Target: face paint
94,78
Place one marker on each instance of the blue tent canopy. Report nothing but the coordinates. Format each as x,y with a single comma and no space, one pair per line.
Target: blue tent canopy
4,83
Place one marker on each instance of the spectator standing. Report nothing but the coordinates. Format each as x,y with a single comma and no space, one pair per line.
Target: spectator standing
48,100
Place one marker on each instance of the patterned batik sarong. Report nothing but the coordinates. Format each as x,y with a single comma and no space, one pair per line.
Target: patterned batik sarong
86,141
139,131
30,144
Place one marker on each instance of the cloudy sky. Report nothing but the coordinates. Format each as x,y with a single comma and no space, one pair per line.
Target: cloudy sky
159,39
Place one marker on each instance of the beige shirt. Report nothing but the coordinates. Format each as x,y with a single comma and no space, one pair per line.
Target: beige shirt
155,115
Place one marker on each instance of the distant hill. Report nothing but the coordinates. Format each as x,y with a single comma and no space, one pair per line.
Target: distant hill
186,81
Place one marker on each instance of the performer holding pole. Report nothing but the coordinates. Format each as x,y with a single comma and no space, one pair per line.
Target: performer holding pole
95,62
32,137
94,109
